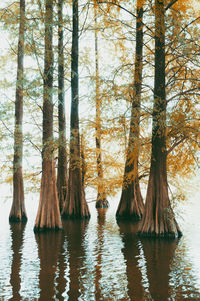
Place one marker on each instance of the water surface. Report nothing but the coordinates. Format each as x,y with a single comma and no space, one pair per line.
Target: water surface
97,259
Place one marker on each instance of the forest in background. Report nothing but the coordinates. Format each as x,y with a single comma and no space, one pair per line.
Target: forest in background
111,92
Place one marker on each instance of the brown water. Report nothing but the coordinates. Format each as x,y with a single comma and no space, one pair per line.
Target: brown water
98,260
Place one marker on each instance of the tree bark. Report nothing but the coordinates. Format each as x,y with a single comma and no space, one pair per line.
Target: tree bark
75,205
48,215
18,212
158,219
131,204
62,153
101,195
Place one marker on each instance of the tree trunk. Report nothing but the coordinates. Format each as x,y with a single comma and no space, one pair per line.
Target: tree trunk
131,204
101,196
62,154
18,212
75,205
158,219
48,215
83,163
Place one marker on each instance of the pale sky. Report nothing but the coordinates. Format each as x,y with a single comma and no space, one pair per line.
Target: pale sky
196,4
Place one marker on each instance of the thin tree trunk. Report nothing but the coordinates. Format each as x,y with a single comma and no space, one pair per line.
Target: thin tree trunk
62,153
83,163
158,219
101,196
131,204
75,204
18,212
48,215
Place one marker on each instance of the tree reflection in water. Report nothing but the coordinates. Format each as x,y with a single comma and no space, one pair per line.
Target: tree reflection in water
74,231
17,235
131,253
50,246
101,218
159,255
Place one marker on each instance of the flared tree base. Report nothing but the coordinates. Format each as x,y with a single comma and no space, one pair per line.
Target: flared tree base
71,211
17,219
75,206
131,206
102,203
48,215
165,227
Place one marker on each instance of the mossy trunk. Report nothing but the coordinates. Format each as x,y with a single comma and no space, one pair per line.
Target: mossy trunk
62,153
18,212
158,219
131,204
48,215
75,205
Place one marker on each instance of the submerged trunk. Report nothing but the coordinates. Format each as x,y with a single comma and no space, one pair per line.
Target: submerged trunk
18,212
75,205
131,203
101,196
62,153
48,215
158,219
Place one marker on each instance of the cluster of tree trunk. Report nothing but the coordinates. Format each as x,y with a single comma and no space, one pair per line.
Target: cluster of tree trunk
67,198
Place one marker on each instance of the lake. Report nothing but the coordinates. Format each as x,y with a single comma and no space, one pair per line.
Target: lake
98,259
